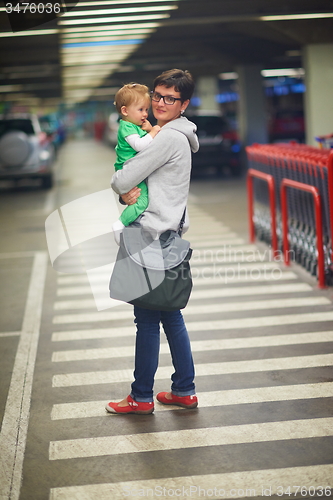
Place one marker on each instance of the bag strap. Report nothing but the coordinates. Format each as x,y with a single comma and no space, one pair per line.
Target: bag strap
181,224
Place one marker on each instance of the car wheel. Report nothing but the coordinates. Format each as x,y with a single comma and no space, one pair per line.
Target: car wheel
15,149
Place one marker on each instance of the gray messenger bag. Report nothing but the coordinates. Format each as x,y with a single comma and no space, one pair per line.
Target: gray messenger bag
152,274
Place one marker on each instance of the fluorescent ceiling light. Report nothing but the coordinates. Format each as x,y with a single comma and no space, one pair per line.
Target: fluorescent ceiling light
124,27
115,2
95,66
79,53
89,79
90,48
130,10
83,37
296,72
149,17
29,33
10,88
85,58
90,54
82,76
104,91
228,76
78,93
91,59
295,17
94,43
85,78
83,84
91,69
79,40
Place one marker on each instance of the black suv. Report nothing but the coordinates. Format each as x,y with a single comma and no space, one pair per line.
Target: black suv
25,151
219,144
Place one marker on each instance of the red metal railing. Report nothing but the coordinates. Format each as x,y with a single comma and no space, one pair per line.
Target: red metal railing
271,190
330,195
309,166
319,223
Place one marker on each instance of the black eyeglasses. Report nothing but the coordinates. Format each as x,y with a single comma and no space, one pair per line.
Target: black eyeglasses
167,99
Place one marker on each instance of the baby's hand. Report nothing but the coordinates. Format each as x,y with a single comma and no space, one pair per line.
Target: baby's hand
146,125
155,130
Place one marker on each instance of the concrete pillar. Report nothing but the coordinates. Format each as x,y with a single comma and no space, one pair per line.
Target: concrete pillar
207,90
318,65
252,108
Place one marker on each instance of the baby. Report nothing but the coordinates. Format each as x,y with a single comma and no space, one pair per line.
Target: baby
135,133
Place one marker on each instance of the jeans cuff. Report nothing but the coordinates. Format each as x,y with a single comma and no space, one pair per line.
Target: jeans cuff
141,400
183,393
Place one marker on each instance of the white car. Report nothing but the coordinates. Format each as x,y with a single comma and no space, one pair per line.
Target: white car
25,151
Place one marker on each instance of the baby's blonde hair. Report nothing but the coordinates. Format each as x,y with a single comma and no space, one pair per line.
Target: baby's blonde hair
129,94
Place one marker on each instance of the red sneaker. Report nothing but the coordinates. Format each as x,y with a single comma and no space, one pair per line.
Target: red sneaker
183,401
135,407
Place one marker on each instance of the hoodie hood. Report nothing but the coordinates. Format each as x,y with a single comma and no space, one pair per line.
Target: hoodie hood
187,128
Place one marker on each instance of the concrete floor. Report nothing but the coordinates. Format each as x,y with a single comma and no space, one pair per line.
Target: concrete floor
262,340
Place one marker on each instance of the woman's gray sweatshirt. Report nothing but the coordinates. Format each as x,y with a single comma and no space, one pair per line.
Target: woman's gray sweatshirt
166,164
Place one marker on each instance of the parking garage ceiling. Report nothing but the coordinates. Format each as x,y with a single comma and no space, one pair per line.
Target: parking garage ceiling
90,48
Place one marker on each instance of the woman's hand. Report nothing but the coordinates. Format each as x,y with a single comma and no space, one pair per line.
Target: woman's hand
131,197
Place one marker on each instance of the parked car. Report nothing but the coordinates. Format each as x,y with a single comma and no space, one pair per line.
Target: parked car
219,143
25,151
54,128
287,125
111,130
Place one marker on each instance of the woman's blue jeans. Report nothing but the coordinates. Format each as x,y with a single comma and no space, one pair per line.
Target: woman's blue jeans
147,349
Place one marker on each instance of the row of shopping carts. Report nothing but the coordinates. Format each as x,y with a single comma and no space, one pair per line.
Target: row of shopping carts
309,166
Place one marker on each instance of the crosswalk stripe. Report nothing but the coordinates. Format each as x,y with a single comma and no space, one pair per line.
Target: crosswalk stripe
205,294
205,259
211,234
98,333
129,331
243,306
204,326
10,334
250,290
214,308
216,230
191,438
253,483
236,265
86,289
257,322
89,409
225,240
78,290
198,346
244,278
164,372
255,305
213,246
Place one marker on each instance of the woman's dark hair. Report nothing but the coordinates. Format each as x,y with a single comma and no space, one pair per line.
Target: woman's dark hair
181,80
